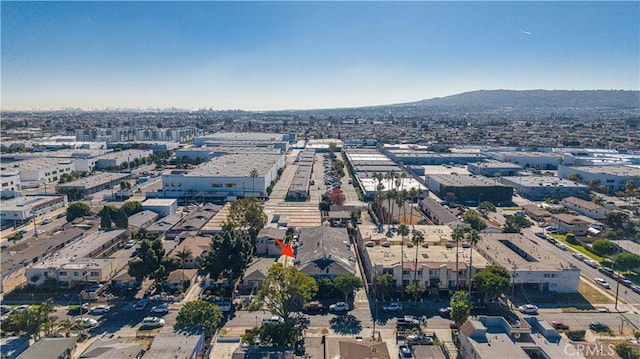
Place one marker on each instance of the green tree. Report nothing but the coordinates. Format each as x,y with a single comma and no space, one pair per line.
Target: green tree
125,185
285,290
474,220
403,231
486,206
574,177
347,283
30,321
514,224
457,236
383,286
148,260
120,219
626,261
472,237
77,209
105,218
492,282
199,313
228,255
571,238
460,307
626,351
616,219
332,147
253,174
131,207
248,214
415,289
604,247
280,334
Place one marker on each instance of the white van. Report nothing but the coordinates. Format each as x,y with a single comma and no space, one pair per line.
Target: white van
276,319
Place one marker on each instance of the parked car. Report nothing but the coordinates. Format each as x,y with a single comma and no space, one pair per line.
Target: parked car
528,309
314,306
80,309
130,244
152,322
404,352
598,326
21,308
606,271
87,323
419,338
100,309
591,263
392,307
445,312
635,288
47,220
39,232
578,256
160,309
407,322
4,309
275,319
558,324
603,283
339,307
141,304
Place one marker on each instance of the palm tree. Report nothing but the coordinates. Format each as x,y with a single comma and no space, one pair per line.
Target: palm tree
417,239
184,255
403,231
473,237
457,236
413,192
253,174
67,326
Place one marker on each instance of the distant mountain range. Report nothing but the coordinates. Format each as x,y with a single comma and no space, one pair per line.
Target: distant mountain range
618,99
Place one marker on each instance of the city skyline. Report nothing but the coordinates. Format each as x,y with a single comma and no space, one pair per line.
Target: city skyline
306,55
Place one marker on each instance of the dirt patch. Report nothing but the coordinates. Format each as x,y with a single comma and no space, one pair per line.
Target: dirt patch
593,295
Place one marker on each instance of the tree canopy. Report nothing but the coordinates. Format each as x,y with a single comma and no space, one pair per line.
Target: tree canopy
492,282
460,307
148,260
248,214
515,223
131,207
30,321
626,261
228,255
77,209
347,283
604,247
199,313
474,220
285,290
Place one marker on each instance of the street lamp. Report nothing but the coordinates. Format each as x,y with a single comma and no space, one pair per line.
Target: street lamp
513,284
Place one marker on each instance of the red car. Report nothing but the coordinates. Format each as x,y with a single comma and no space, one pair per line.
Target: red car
557,324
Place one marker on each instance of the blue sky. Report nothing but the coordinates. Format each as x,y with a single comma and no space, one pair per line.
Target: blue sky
300,55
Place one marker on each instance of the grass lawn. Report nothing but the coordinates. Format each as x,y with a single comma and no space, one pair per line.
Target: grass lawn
592,295
577,247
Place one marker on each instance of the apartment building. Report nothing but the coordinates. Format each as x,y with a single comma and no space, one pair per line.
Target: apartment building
586,208
568,223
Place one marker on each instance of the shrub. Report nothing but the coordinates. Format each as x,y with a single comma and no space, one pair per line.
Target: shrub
576,335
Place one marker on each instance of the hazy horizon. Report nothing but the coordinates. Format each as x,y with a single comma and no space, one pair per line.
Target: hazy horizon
260,56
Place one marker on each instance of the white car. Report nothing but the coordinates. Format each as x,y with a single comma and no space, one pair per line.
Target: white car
160,309
152,322
339,307
141,304
21,308
635,288
591,263
528,309
276,319
392,307
130,244
87,322
578,256
47,220
100,309
603,283
39,232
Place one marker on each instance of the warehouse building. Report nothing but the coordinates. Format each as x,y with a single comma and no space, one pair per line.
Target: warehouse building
23,209
540,188
86,186
39,171
533,160
494,169
224,178
469,189
614,177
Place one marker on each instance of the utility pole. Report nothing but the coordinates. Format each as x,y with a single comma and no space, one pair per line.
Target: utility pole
617,285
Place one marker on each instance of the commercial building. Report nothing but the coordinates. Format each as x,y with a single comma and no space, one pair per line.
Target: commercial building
487,337
213,150
10,184
613,177
494,169
142,133
299,188
532,160
39,171
86,186
540,188
244,137
24,209
224,178
142,219
586,208
421,155
469,189
531,265
117,158
162,206
81,261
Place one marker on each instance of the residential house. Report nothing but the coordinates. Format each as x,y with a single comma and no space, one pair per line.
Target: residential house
324,251
255,274
352,348
266,244
111,349
50,348
196,245
181,278
172,343
567,223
